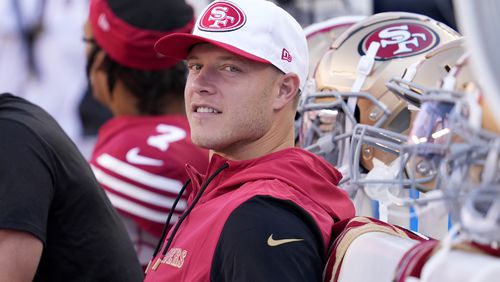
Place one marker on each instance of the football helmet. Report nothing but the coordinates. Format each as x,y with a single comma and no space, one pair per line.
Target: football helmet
321,35
422,77
456,133
391,185
349,87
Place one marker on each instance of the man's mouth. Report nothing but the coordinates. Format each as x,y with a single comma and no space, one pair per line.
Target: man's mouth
206,110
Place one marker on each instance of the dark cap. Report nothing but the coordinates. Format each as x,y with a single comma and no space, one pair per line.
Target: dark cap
128,29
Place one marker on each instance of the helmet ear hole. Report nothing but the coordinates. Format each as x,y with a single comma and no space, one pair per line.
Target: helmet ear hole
357,113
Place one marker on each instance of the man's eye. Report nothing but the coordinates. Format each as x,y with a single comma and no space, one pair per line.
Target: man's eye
231,69
194,67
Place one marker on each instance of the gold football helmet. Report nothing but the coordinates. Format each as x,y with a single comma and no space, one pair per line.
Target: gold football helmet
419,78
349,91
455,132
401,183
320,36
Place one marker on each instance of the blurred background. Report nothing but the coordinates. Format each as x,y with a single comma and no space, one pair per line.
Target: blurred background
42,53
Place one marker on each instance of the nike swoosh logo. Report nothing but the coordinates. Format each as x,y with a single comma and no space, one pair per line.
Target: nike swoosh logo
133,157
273,243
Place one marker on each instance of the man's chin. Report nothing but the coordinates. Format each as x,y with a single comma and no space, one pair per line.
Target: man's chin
217,147
205,143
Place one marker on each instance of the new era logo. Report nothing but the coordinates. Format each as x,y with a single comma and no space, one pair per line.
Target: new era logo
285,55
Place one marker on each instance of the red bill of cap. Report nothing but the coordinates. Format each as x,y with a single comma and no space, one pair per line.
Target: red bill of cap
178,45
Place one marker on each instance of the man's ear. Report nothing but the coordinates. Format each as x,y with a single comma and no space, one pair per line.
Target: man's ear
288,89
97,68
98,77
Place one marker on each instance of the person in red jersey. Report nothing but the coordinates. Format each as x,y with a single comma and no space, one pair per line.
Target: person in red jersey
264,210
141,153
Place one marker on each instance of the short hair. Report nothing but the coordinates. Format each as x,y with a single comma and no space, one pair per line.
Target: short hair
153,89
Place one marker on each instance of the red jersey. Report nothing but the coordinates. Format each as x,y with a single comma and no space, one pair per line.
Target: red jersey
140,163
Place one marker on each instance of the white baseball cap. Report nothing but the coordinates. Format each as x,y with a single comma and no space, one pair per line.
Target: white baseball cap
255,29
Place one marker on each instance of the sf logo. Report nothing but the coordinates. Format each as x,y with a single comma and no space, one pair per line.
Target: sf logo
402,37
220,17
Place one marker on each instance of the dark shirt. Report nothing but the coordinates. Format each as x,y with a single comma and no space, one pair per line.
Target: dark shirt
266,239
47,189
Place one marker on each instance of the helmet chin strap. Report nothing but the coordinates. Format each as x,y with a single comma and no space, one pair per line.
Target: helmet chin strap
411,71
365,66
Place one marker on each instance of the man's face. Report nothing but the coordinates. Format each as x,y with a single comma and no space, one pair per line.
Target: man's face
97,79
228,99
88,38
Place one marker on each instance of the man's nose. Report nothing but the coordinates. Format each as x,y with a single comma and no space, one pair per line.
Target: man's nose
202,82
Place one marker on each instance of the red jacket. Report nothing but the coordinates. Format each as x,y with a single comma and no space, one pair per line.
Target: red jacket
291,174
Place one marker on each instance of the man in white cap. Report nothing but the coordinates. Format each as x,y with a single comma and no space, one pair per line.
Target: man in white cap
264,210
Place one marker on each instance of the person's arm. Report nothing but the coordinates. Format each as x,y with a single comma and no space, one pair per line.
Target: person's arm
20,254
26,191
268,240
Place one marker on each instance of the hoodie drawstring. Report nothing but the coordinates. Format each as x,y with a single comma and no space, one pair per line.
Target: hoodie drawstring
181,219
167,223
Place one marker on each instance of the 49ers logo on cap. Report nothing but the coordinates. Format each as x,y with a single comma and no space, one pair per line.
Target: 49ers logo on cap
222,16
400,40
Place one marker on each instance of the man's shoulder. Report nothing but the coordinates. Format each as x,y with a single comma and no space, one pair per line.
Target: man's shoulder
9,103
18,109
